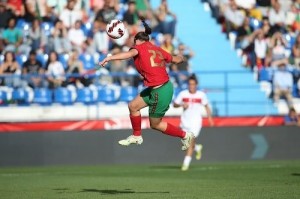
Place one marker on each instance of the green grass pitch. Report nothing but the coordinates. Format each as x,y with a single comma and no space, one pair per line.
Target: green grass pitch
255,179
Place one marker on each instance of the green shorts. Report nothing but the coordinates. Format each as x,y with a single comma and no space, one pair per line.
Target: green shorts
158,99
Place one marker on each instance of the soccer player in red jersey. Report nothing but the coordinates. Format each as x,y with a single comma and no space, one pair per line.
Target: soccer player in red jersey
150,62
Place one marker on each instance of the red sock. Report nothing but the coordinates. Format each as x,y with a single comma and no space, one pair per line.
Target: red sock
136,124
174,131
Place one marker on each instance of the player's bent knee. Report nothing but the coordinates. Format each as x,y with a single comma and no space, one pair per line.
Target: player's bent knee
132,106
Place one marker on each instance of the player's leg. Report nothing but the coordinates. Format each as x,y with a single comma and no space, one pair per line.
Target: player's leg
198,147
160,100
188,156
135,117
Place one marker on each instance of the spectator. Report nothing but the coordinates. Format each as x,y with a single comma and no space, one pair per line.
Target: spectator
60,38
260,49
17,7
10,68
292,118
5,15
296,52
277,18
35,10
277,50
167,44
109,11
13,38
55,71
76,36
69,15
35,70
118,66
37,37
283,84
76,70
263,6
131,17
234,17
182,71
100,38
166,19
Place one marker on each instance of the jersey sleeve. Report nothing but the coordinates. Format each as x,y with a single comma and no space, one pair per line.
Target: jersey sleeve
167,56
178,98
204,99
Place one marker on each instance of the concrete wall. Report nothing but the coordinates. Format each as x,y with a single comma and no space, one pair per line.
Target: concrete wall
92,147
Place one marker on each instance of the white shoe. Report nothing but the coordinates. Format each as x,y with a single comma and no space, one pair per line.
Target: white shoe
184,168
186,142
131,140
199,152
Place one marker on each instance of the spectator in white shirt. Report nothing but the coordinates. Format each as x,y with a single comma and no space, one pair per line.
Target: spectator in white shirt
69,15
55,71
260,48
234,17
277,18
283,84
76,36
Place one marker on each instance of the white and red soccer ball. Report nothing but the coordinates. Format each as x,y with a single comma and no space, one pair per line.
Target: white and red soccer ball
115,29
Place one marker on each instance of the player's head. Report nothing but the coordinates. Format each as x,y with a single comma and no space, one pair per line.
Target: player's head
143,36
192,83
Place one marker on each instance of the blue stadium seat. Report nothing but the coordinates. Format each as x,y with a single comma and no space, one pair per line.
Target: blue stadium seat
128,93
21,96
21,59
3,97
43,58
87,28
265,75
63,96
88,61
47,27
106,95
42,96
85,95
63,58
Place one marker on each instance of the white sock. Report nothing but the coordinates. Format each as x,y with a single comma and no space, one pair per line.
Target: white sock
197,147
187,160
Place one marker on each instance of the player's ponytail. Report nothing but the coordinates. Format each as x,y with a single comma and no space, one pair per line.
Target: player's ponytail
143,36
148,30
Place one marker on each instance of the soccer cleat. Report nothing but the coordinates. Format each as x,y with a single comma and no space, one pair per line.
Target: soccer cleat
199,152
184,168
186,142
131,140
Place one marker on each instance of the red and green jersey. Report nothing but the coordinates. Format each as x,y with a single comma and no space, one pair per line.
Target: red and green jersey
151,63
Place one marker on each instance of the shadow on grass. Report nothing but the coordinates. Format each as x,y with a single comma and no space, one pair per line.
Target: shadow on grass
296,174
167,167
115,192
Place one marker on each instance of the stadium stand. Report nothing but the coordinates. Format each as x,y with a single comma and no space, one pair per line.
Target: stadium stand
217,61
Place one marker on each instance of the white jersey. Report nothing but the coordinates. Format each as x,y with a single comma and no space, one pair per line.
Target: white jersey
191,118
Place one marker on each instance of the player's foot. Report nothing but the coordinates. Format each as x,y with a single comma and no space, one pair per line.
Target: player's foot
186,142
184,168
199,151
131,140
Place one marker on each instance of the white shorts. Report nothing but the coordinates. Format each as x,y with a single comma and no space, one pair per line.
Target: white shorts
195,129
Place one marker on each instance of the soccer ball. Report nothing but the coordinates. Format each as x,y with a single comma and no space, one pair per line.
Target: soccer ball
115,29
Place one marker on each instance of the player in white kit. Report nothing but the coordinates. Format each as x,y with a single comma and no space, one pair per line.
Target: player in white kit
192,101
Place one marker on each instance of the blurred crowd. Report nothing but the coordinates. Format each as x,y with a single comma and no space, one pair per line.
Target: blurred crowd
58,43
265,33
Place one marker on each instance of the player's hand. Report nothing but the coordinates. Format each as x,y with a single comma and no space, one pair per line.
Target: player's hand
185,105
105,61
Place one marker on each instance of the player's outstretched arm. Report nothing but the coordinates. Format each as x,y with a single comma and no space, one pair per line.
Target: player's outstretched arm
120,56
177,59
